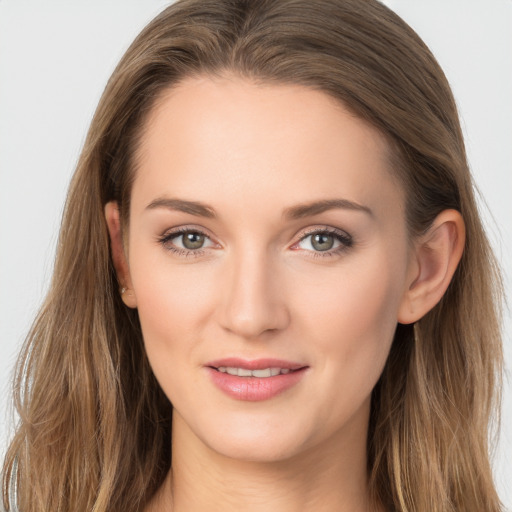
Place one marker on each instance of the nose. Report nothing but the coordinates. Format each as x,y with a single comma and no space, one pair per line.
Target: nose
254,301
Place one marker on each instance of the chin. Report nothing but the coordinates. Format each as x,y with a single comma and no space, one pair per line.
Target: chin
251,440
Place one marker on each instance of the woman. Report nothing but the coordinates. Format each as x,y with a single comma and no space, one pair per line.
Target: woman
272,227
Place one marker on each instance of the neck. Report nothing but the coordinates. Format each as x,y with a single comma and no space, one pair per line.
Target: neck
203,480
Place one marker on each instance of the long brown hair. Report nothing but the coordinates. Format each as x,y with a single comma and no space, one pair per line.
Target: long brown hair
94,426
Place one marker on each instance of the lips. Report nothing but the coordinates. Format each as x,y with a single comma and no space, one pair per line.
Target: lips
254,380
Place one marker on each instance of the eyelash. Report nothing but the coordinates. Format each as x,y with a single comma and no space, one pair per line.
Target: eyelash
346,242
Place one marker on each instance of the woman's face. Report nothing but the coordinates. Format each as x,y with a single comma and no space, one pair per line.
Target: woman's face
268,259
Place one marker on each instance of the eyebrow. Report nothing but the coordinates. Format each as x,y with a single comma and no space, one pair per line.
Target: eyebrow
191,207
317,207
294,212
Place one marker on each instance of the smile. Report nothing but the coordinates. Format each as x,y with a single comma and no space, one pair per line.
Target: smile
255,380
261,374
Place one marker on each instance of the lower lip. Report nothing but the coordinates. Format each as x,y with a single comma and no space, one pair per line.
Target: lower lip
255,389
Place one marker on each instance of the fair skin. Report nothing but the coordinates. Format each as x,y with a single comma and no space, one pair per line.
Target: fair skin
265,223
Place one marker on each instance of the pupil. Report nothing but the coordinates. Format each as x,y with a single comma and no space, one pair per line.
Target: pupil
193,240
322,242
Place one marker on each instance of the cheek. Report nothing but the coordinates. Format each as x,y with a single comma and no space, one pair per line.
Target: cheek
172,301
169,296
172,304
352,312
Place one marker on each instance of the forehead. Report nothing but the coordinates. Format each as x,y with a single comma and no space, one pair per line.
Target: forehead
208,135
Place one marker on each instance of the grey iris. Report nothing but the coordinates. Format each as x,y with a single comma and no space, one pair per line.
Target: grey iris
322,241
193,240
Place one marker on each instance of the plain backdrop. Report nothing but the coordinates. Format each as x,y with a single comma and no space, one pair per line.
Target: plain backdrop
55,58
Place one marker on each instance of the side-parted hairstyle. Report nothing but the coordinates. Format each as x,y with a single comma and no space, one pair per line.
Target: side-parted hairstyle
94,426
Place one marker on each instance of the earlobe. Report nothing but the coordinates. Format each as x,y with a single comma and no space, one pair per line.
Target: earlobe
118,254
435,258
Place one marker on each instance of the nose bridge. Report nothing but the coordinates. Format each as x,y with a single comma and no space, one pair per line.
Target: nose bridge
254,301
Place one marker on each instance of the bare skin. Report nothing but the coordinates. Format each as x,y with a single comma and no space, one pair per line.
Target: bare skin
266,223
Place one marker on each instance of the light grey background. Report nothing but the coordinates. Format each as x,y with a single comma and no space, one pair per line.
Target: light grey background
55,58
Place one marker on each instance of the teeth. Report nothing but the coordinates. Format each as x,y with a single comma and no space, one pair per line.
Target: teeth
262,374
267,372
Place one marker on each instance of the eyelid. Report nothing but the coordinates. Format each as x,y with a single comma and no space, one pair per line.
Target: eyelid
185,229
323,229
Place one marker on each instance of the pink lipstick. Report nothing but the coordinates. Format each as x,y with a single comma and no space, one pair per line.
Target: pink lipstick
255,380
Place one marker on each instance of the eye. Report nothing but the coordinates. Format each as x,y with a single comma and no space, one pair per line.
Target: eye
186,241
328,241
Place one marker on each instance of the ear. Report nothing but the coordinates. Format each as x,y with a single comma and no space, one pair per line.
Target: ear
434,260
118,255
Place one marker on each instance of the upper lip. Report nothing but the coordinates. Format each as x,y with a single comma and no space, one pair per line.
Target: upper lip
254,364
